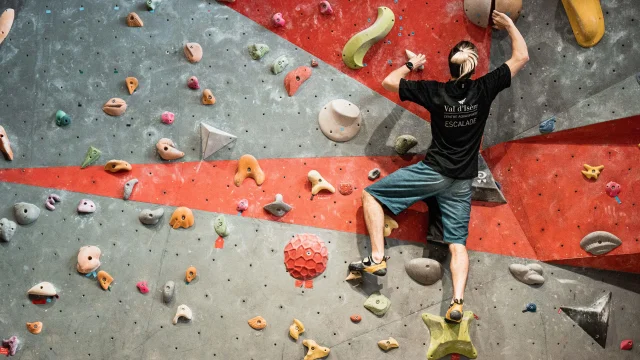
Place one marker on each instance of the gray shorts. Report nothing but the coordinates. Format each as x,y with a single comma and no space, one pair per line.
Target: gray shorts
406,186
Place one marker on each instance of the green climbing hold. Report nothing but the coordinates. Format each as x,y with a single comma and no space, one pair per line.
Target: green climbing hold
449,338
377,304
257,51
92,156
62,119
221,226
356,48
278,66
404,143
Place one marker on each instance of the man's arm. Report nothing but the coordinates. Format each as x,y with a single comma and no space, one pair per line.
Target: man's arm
392,81
519,52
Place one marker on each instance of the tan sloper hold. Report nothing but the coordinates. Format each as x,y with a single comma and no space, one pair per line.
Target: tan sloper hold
34,327
248,167
296,329
88,259
43,289
389,225
133,20
132,84
117,165
257,323
318,183
389,344
115,107
104,279
6,20
5,145
340,120
315,351
207,97
167,149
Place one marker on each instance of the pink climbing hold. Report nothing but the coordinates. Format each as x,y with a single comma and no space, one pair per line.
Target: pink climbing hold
192,83
325,8
86,206
243,205
51,201
142,286
613,189
278,20
626,345
168,117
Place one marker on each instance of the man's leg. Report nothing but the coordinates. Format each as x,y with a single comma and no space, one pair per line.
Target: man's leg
374,218
459,269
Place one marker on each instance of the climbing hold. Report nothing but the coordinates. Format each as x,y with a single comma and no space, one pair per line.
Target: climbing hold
294,79
547,126
278,208
150,217
599,242
62,119
511,8
12,345
592,172
257,323
355,318
167,149
182,312
530,274
152,4
340,120
305,257
257,51
389,225
279,64
7,229
117,165
86,206
296,329
345,188
92,155
594,320
193,52
404,143
133,20
449,338
530,307
142,287
377,304
104,279
356,48
586,19
314,63
318,183
5,145
208,98
25,213
220,226
88,259
182,217
478,11
353,275
213,139
388,344
248,167
115,107
168,291
626,344
424,271
325,8
242,205
43,289
128,188
132,84
374,174
315,351
613,189
278,20
193,83
51,201
34,327
167,117
6,20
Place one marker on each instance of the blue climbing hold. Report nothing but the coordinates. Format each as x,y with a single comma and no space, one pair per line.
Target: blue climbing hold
401,28
399,34
116,8
548,125
81,9
47,11
531,307
400,17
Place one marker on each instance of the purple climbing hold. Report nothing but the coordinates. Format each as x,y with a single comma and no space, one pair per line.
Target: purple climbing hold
11,344
86,206
51,201
243,205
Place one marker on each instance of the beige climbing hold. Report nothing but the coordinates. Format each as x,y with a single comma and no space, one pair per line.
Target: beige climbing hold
190,274
5,145
117,165
132,84
6,20
389,225
354,275
182,217
257,323
296,329
592,172
34,327
389,344
248,167
315,351
133,20
88,259
318,183
115,107
182,312
193,52
167,149
43,289
104,279
208,98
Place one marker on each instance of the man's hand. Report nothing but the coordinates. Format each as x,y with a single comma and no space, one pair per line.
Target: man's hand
417,61
501,21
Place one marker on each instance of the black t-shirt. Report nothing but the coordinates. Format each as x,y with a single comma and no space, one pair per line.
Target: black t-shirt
459,112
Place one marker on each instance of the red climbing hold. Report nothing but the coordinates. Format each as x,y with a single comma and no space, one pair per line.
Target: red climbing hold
295,78
455,356
305,257
626,345
346,189
219,243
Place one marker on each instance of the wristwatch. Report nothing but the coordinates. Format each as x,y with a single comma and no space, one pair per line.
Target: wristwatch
409,64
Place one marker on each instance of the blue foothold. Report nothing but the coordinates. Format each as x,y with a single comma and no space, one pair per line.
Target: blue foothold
400,17
341,129
389,61
395,1
116,8
413,33
548,125
400,27
369,20
399,34
48,300
47,11
530,307
81,9
365,64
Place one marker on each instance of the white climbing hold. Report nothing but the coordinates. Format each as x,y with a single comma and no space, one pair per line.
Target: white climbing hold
182,312
213,139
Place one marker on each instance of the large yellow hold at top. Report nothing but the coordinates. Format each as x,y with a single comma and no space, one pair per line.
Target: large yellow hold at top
586,19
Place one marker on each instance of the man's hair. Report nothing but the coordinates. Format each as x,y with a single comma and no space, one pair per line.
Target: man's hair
463,59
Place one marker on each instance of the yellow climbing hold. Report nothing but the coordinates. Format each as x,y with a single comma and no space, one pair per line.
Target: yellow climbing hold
449,338
356,48
592,172
389,225
296,329
586,19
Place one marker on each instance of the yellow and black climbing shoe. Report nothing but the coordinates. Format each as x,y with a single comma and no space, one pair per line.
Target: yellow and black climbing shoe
454,314
368,265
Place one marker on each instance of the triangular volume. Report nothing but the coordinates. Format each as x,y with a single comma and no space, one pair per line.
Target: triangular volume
485,187
594,320
213,139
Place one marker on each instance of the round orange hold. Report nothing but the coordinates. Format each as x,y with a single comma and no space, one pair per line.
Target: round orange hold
356,318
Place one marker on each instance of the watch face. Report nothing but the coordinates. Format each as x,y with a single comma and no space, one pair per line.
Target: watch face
409,65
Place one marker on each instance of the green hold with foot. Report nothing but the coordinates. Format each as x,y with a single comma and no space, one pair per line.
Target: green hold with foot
93,154
221,226
62,119
448,338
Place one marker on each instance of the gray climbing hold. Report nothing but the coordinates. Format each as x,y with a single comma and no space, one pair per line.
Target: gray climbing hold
424,271
152,4
168,292
530,274
26,213
279,64
128,188
594,320
377,304
404,143
374,174
484,187
150,217
213,139
7,229
599,242
279,207
257,51
220,226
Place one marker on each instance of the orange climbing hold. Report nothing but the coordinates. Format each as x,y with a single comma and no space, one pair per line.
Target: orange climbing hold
182,217
190,274
5,145
34,327
133,20
117,165
132,84
248,167
257,323
104,279
208,98
295,78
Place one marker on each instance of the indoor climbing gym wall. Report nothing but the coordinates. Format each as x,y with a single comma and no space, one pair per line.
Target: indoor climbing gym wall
182,179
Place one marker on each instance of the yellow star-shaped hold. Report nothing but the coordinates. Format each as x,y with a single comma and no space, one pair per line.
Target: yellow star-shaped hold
448,338
592,172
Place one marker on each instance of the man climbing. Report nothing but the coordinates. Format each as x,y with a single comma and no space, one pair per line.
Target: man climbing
459,110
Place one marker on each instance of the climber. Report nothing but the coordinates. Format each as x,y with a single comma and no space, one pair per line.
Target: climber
459,110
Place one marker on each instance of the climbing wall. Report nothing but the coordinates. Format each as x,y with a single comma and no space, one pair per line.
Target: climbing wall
75,56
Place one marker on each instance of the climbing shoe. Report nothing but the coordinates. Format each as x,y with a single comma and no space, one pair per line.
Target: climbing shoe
454,314
368,265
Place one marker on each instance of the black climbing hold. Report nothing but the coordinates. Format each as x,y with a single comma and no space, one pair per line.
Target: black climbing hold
594,320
